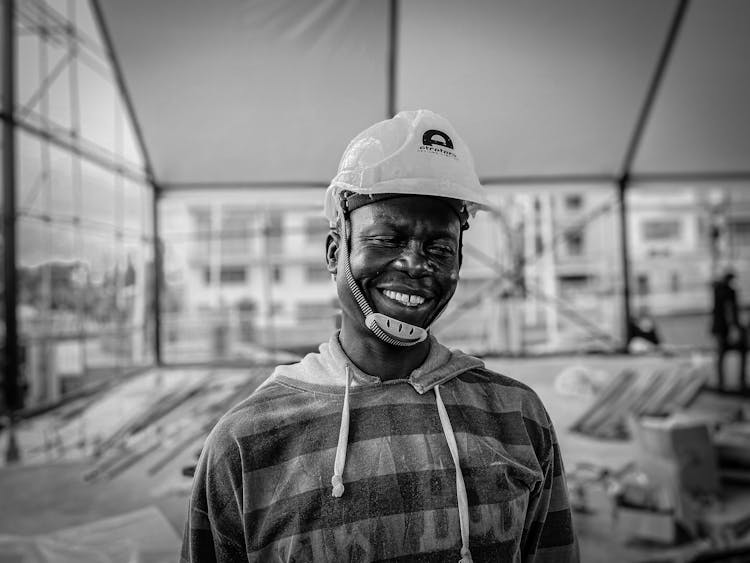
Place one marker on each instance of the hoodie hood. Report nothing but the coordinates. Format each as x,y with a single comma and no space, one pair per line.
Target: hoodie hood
328,369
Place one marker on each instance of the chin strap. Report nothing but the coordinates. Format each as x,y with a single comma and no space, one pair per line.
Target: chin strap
389,330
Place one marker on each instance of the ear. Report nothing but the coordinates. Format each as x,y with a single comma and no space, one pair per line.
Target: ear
333,240
460,249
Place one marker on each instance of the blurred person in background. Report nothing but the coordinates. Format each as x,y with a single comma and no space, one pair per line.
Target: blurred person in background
386,445
726,327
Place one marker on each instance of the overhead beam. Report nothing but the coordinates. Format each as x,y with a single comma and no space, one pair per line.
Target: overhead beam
624,177
122,87
531,180
75,146
197,186
392,78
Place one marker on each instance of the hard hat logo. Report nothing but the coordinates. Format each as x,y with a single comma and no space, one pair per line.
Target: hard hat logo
437,142
428,139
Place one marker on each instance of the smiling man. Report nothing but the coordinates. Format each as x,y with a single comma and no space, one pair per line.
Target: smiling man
386,445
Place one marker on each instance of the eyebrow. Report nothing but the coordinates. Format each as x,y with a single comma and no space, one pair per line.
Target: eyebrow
400,225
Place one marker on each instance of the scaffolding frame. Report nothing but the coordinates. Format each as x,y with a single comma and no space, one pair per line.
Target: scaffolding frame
31,116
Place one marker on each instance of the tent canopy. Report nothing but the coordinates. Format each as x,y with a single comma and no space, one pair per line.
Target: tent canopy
254,92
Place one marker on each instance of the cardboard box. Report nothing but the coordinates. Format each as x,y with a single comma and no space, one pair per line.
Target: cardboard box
676,452
642,524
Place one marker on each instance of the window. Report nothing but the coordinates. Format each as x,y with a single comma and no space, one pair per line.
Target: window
669,229
572,284
201,230
674,282
235,235
643,284
316,273
277,273
574,243
276,308
232,274
573,202
739,231
274,231
316,229
314,311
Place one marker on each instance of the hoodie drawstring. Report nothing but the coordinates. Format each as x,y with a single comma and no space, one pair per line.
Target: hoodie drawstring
338,463
463,501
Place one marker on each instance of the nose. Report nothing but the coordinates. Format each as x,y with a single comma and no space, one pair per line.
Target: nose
413,261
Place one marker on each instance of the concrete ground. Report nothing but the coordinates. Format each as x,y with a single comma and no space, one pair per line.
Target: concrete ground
48,497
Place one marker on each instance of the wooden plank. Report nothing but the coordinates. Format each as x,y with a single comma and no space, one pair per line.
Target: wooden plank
614,424
598,408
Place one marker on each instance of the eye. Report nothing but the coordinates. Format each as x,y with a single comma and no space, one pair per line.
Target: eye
441,249
385,240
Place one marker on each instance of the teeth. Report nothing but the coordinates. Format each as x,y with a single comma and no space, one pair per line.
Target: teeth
403,298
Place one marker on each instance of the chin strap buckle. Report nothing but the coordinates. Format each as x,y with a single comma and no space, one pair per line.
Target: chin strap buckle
399,332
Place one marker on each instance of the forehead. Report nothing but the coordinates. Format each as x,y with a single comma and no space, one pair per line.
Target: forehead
412,211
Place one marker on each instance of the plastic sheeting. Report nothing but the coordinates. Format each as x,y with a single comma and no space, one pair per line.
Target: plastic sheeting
141,536
259,91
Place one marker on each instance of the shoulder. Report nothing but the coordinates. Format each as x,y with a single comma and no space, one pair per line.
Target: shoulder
507,391
516,409
264,409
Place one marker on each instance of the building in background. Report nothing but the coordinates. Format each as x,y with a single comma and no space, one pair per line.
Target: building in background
680,242
541,272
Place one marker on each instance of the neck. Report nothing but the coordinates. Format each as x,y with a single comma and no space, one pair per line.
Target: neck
375,357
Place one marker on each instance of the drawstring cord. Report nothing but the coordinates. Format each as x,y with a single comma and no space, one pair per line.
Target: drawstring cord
338,464
463,501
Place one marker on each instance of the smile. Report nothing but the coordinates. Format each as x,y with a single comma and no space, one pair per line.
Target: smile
404,298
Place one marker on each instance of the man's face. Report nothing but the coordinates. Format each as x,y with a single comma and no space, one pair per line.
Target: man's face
404,255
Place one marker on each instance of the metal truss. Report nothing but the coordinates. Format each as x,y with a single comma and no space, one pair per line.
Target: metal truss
56,32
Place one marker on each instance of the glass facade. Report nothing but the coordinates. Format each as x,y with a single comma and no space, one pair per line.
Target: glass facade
84,241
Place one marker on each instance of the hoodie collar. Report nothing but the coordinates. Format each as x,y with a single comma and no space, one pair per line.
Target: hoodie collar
441,365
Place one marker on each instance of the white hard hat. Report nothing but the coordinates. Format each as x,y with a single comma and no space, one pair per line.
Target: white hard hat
415,152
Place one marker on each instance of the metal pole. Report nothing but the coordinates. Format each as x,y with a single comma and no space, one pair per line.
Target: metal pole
13,399
622,186
11,388
158,275
392,55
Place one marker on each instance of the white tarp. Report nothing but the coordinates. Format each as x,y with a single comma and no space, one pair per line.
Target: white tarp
254,91
141,536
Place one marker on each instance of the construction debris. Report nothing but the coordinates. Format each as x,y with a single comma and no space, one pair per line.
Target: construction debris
152,416
656,393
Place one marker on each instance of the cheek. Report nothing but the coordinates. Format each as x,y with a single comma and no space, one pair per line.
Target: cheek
367,264
449,280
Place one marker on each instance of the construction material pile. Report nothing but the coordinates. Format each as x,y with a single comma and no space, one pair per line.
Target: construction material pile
641,393
151,416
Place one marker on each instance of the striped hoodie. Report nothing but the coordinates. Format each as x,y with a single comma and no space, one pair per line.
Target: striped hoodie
324,462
